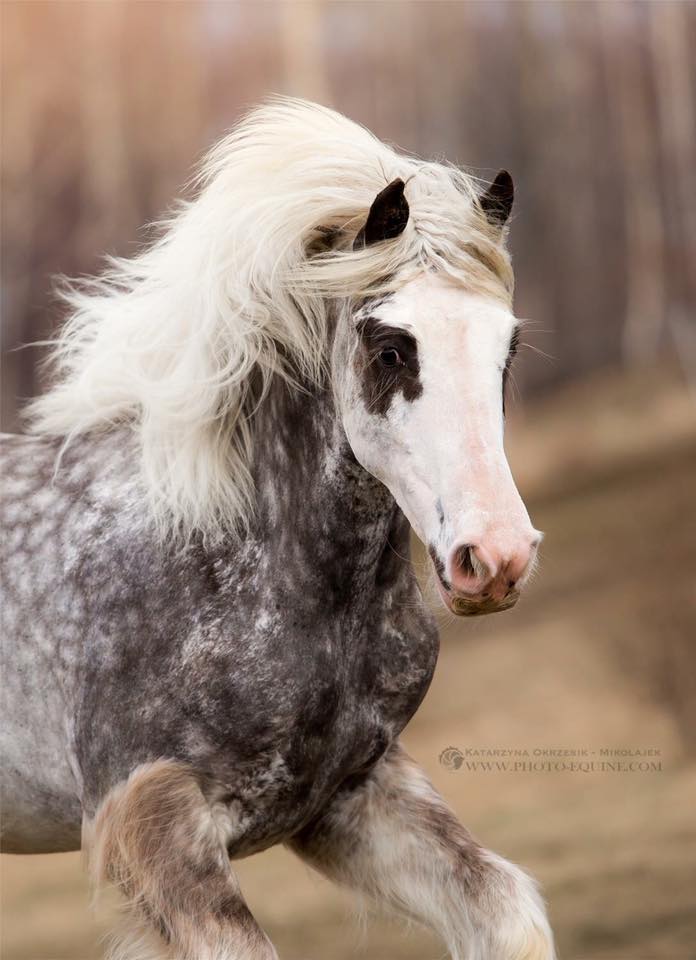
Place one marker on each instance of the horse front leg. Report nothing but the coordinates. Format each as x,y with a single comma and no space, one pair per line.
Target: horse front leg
393,838
156,839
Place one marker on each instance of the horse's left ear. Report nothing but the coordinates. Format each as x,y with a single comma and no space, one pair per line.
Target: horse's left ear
496,202
387,218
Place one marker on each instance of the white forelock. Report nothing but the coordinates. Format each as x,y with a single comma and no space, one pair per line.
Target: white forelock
241,281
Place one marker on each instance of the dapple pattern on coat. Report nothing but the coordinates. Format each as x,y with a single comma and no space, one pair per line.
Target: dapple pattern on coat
188,678
234,661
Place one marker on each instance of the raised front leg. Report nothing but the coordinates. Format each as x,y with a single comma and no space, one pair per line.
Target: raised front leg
157,840
393,838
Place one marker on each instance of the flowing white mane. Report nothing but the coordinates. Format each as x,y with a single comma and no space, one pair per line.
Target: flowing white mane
241,281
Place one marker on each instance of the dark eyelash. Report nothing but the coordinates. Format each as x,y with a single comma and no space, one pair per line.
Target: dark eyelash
514,344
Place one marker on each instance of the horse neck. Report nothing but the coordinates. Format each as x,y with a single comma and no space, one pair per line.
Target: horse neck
323,516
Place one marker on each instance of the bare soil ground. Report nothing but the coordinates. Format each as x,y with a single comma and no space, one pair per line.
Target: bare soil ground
600,653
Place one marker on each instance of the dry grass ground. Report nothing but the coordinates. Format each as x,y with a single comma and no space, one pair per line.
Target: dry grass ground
599,654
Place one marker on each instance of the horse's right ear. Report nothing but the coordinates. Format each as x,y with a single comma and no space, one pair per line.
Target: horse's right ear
496,201
387,218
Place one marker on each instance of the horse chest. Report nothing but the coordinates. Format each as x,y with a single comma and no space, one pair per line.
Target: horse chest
275,694
355,696
331,717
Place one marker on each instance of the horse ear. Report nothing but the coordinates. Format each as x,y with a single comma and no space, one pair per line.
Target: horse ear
496,202
387,218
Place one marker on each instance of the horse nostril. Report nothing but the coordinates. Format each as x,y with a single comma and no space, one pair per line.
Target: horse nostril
463,560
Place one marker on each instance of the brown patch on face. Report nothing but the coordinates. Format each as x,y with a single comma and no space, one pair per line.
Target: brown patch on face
380,379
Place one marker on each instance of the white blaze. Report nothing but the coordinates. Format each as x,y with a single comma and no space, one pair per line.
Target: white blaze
442,454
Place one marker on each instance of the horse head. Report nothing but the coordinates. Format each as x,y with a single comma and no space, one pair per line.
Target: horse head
421,374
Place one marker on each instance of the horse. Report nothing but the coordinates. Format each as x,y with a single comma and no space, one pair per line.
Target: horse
213,632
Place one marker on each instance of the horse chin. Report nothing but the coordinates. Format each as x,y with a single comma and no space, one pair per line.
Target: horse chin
463,607
467,607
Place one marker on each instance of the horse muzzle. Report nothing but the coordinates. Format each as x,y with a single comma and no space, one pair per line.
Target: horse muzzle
477,580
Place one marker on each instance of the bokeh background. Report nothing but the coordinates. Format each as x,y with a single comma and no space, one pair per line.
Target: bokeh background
105,108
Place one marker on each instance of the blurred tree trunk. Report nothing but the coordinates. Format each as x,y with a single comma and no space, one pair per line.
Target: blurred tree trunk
19,117
302,43
106,191
628,100
672,58
397,72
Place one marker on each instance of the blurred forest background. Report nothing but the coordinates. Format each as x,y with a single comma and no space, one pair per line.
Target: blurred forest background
592,106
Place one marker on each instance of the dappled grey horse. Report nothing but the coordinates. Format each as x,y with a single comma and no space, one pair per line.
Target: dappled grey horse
213,635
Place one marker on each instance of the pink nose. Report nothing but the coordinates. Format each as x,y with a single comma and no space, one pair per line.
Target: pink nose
486,570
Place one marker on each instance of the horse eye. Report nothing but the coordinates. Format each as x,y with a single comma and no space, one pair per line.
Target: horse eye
390,357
